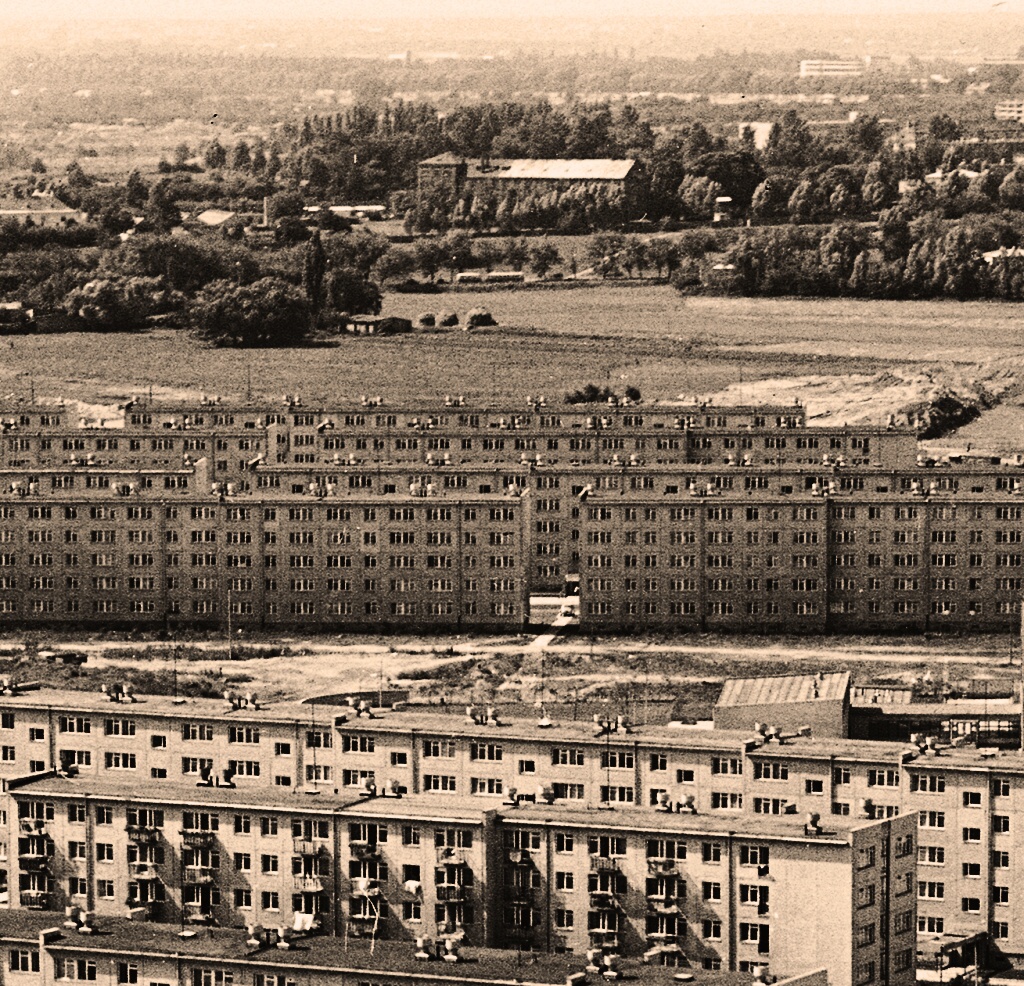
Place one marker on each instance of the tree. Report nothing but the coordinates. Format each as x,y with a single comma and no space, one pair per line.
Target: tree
240,160
543,256
488,254
161,212
429,257
136,191
807,203
664,255
867,135
347,291
634,255
942,127
603,252
269,312
771,197
458,251
181,155
1011,191
839,247
361,249
736,172
215,156
314,265
38,167
697,195
516,253
790,143
115,303
878,189
75,178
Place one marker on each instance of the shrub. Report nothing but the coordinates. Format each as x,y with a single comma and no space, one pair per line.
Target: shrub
448,319
426,320
479,317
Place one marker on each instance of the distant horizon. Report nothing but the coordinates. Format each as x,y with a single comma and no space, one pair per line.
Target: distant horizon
418,10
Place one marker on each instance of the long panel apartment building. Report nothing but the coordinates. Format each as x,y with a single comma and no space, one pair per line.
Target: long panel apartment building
165,557
549,877
964,801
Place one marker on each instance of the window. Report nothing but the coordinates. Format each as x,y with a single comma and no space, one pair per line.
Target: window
972,835
23,960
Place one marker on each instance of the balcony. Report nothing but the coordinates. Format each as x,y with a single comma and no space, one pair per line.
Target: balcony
519,857
603,900
451,855
605,937
303,847
198,837
662,938
363,886
662,864
601,864
198,913
142,834
518,892
34,863
365,850
148,911
29,826
450,892
143,871
198,876
35,900
664,905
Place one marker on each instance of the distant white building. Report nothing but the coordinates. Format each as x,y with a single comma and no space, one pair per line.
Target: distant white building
1010,109
814,67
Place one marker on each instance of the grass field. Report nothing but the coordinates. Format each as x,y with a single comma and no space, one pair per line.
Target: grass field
548,342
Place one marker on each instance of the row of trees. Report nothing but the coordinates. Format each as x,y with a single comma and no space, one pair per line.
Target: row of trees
906,258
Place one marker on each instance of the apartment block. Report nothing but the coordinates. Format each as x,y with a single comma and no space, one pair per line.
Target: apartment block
921,558
180,558
963,799
41,948
547,877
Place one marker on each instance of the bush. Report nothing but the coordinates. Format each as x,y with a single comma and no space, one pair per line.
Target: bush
479,317
447,319
426,320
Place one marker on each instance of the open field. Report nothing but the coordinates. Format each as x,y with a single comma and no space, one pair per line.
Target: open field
549,342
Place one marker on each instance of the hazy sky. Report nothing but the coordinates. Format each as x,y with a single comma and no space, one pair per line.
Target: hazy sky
581,9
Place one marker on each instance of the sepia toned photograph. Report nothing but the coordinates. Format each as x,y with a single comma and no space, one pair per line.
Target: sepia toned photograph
511,494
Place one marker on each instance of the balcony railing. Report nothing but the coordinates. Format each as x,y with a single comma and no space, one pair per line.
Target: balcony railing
142,834
451,892
304,847
599,864
662,864
199,875
36,900
304,881
198,837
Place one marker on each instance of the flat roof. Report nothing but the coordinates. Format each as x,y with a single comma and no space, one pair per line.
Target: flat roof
73,701
444,809
121,936
569,731
786,688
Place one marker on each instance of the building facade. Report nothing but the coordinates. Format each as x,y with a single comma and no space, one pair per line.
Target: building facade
964,801
548,877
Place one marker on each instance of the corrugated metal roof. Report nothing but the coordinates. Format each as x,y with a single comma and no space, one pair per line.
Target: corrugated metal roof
569,170
785,688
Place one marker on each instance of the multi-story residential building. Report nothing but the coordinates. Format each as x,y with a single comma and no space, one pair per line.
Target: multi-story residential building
168,557
42,948
734,894
921,556
963,799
